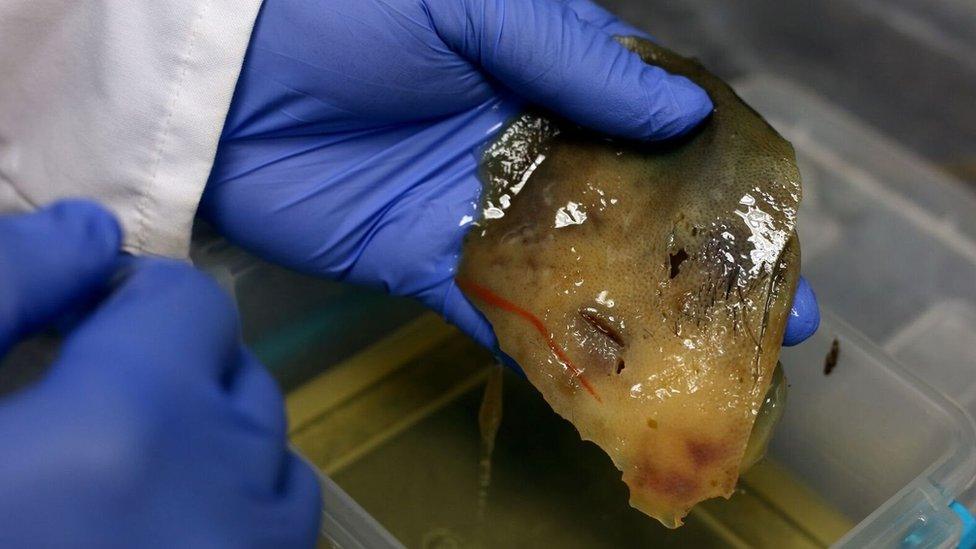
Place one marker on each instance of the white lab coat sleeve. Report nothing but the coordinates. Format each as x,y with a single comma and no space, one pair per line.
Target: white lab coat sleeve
121,101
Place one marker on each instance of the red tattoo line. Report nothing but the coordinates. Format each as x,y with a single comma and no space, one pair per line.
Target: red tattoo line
496,300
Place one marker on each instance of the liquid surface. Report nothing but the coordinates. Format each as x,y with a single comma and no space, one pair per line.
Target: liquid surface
644,289
550,489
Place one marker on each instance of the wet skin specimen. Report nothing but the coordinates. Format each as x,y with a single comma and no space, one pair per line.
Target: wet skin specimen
644,289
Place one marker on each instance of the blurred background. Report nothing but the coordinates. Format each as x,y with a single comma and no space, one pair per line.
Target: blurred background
906,67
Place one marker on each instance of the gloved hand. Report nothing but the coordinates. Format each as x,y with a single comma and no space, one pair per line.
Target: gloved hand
154,427
352,144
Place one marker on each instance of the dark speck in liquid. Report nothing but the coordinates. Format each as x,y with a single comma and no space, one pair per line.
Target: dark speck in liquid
831,360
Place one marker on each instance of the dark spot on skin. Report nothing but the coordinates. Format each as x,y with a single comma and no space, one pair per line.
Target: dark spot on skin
594,219
673,485
830,361
703,453
652,423
694,231
604,327
676,485
677,259
730,281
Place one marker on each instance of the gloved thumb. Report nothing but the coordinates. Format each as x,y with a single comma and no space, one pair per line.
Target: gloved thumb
544,52
50,262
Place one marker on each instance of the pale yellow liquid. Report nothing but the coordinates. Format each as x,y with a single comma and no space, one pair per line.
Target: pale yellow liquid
406,444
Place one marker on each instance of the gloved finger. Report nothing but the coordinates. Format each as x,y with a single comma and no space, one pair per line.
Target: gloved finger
164,321
257,398
459,311
804,317
302,497
543,51
249,428
292,517
51,261
603,19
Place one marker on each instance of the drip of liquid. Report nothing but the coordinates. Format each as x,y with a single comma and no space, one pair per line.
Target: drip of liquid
489,419
768,417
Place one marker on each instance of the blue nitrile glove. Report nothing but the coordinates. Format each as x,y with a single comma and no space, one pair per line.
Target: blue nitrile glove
352,144
154,427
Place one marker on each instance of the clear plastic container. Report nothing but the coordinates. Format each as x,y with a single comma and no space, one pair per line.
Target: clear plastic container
888,451
867,456
345,525
889,243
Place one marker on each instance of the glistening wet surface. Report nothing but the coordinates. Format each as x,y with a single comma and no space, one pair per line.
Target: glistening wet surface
644,288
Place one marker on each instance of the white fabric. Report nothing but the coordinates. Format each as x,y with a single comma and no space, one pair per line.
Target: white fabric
118,100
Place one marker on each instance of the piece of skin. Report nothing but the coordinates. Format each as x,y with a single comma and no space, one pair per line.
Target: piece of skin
644,289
